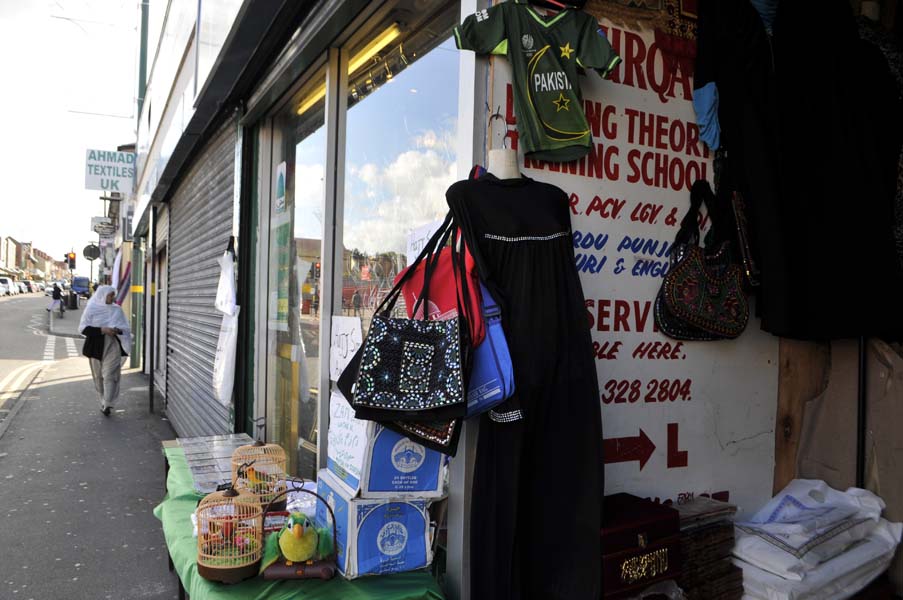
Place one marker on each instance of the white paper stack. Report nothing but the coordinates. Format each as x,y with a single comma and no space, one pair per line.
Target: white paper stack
812,541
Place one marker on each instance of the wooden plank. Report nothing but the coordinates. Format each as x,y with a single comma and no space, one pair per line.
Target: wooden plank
803,375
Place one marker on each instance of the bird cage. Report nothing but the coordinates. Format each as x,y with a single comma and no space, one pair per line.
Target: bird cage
230,536
259,468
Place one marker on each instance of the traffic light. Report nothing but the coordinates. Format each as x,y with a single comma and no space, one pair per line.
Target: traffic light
317,270
70,258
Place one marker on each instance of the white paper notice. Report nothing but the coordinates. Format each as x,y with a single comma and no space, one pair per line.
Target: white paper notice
280,187
418,238
345,341
347,436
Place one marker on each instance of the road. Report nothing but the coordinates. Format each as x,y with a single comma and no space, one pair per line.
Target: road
25,344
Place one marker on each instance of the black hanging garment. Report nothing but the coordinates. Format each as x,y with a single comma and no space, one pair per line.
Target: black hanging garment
811,121
840,121
538,479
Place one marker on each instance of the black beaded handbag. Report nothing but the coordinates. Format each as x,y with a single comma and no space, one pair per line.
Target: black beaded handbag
411,369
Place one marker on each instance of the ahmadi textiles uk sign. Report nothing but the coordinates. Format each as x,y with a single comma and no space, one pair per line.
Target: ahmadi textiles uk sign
109,171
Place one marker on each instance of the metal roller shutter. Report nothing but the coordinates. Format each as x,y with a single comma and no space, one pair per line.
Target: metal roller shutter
200,223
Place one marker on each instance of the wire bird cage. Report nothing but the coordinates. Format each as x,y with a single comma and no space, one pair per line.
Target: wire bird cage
230,536
259,469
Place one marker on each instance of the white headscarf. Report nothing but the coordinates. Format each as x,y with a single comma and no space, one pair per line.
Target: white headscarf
98,313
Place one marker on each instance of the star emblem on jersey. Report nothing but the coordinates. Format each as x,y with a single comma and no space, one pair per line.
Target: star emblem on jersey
566,50
562,102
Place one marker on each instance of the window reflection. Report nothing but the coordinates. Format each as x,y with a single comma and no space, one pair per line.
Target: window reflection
400,155
296,226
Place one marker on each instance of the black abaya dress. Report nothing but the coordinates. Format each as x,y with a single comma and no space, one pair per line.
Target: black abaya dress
538,479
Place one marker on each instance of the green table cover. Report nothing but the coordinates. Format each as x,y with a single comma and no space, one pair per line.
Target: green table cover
175,513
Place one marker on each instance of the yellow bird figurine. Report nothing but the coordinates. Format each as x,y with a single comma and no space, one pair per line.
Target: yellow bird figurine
299,540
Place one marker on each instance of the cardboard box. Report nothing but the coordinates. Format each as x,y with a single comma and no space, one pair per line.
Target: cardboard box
375,536
378,463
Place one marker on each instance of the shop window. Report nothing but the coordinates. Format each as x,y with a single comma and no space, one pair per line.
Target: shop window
295,266
400,146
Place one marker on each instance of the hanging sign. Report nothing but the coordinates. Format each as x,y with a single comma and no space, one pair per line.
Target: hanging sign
102,225
109,171
680,418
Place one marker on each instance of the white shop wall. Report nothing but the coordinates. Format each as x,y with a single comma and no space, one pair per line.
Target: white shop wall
708,408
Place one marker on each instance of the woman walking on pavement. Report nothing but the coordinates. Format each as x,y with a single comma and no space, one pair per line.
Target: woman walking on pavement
107,336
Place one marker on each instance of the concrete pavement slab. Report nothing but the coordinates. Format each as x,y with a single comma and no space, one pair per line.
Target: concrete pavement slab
67,326
77,491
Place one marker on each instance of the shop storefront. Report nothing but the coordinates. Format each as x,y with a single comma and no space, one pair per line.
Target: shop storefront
329,171
336,242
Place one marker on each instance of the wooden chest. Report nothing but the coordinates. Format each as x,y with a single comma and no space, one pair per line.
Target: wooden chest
640,544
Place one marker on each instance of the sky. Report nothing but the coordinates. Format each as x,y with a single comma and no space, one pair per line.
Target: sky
72,66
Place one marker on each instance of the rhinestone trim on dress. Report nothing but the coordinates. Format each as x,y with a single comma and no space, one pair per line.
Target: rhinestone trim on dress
525,238
506,417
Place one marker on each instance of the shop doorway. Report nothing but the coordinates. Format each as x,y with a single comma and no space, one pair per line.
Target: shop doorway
160,322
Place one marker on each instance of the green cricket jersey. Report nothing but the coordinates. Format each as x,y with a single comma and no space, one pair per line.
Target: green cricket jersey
544,53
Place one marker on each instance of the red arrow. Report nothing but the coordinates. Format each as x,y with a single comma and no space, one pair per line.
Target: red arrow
626,449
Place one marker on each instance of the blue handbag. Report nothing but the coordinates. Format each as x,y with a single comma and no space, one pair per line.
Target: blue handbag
492,374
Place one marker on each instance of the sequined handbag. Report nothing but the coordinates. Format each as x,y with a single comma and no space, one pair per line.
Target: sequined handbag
412,369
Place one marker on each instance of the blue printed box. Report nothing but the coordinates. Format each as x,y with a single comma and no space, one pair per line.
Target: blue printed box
375,536
377,462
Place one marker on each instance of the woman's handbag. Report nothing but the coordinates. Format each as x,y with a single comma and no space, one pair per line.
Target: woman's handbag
702,295
412,369
492,375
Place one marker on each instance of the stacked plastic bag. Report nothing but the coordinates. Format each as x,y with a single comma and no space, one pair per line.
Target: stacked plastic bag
812,541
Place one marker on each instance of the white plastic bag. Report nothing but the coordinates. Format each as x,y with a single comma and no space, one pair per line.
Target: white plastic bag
841,577
806,524
224,362
225,290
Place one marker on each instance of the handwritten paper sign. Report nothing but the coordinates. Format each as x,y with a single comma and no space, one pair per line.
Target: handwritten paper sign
345,341
418,238
347,440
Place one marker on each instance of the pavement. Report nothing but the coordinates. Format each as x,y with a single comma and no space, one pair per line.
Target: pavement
67,325
77,489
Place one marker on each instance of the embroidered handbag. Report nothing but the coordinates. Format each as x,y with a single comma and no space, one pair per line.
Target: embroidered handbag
667,322
492,374
702,296
411,369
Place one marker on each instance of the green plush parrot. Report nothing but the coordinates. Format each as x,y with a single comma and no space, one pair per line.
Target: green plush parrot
298,541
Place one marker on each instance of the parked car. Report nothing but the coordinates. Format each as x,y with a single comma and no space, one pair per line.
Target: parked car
29,286
81,286
7,286
22,288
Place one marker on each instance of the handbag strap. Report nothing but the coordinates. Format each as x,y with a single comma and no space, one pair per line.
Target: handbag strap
689,225
385,307
432,262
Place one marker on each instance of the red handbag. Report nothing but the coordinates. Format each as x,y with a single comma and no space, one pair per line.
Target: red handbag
442,303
